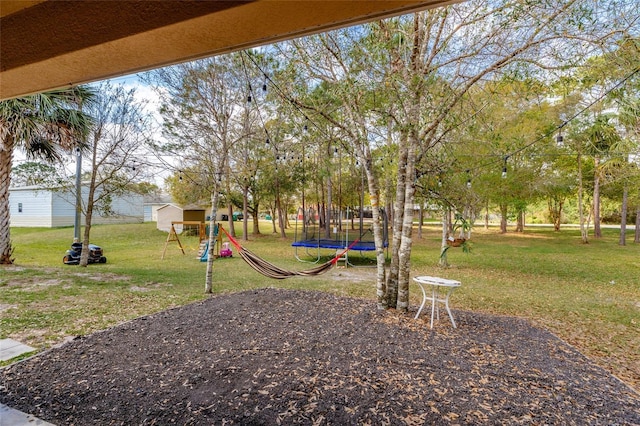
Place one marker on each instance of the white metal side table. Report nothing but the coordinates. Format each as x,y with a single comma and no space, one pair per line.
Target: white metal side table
441,289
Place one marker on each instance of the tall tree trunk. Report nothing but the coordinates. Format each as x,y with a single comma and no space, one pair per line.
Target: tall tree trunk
208,282
520,221
388,181
392,278
444,246
583,227
374,196
6,160
554,205
636,238
597,232
278,209
503,218
420,220
88,215
84,256
256,224
404,270
281,218
623,216
230,224
273,219
471,217
245,213
486,216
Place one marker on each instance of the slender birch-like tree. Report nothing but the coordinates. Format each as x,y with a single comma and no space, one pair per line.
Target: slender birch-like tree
204,116
114,149
421,67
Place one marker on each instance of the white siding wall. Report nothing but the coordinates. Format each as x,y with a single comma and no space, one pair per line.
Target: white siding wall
51,209
63,208
36,208
128,208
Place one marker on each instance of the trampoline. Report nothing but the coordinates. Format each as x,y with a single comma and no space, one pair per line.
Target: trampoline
334,244
313,238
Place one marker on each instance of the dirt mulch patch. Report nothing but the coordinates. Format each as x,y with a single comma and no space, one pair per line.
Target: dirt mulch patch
293,357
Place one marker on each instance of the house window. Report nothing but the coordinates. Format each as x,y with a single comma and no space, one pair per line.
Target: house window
19,207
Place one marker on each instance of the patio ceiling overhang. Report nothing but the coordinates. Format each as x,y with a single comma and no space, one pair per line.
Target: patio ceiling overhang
49,44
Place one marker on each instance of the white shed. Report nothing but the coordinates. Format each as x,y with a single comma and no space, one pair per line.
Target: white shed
33,206
174,213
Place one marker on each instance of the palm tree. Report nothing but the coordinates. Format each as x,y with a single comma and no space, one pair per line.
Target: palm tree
43,125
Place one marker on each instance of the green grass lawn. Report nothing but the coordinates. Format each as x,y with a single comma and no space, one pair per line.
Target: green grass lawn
588,294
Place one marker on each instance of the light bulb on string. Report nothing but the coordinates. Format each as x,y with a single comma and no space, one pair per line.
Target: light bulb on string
468,179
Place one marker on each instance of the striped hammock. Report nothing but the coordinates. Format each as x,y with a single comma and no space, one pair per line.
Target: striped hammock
270,270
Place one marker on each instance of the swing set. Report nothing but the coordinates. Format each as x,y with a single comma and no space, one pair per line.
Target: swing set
181,225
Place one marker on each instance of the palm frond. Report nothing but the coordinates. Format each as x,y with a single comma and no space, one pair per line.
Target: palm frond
40,147
45,122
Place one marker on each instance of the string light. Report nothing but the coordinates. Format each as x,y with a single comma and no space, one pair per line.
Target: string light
560,137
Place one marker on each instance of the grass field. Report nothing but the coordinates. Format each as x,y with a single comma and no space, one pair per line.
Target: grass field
587,294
